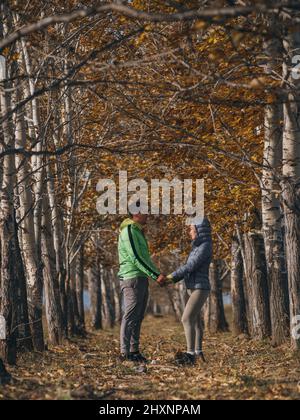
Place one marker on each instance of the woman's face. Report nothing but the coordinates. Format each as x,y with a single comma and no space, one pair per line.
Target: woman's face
193,232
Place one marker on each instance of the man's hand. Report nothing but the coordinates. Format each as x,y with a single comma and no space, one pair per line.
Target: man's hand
161,280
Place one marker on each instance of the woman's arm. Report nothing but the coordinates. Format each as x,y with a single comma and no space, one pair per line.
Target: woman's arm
202,254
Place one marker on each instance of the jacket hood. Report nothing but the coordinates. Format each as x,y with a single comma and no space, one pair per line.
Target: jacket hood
128,222
203,232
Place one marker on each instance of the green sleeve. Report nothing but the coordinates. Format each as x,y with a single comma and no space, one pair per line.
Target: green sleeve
138,252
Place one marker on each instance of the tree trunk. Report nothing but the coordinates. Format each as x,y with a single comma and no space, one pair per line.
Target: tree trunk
178,298
291,174
70,301
24,337
80,290
73,312
58,229
37,140
271,213
51,286
116,296
175,302
8,302
216,320
257,285
94,281
7,231
108,315
239,314
154,308
5,377
29,254
31,249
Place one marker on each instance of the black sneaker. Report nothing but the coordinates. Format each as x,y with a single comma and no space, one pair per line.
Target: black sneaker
185,359
200,355
138,357
124,357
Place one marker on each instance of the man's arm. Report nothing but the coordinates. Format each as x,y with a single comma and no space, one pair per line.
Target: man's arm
139,256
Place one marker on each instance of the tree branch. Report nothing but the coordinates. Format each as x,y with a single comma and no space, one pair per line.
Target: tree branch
205,14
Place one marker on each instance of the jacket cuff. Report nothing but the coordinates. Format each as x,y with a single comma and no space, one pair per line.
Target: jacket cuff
154,276
174,278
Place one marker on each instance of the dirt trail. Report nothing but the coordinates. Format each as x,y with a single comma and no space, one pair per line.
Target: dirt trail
88,369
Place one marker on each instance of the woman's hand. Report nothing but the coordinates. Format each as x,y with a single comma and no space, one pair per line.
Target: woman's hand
169,279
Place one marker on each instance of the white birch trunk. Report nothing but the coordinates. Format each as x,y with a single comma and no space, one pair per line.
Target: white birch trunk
28,245
271,212
291,174
51,285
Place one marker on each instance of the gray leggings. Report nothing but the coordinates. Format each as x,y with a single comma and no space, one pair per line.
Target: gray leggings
192,321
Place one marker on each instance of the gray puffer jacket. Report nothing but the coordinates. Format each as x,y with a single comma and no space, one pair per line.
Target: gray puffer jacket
195,271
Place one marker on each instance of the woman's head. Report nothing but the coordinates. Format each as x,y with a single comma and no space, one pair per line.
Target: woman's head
192,232
200,232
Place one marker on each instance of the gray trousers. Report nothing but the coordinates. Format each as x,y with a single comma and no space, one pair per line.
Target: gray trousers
135,295
192,321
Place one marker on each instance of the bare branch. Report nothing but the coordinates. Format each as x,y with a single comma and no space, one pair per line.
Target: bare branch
205,14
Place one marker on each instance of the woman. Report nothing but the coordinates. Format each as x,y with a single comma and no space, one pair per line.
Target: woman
196,275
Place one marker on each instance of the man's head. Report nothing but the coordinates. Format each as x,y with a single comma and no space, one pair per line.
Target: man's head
140,218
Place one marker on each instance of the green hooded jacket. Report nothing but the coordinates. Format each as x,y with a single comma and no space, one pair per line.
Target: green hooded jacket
134,256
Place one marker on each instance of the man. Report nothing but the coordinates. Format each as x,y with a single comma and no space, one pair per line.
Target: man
136,267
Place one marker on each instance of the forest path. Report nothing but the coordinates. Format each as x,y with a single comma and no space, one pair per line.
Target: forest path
88,369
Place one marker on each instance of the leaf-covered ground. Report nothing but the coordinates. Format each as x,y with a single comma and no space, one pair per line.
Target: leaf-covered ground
88,369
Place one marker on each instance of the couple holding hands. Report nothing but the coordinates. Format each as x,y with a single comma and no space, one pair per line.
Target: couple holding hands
136,267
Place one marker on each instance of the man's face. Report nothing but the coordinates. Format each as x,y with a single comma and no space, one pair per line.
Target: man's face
140,218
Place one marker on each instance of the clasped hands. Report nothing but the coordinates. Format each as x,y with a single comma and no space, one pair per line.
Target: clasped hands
163,280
